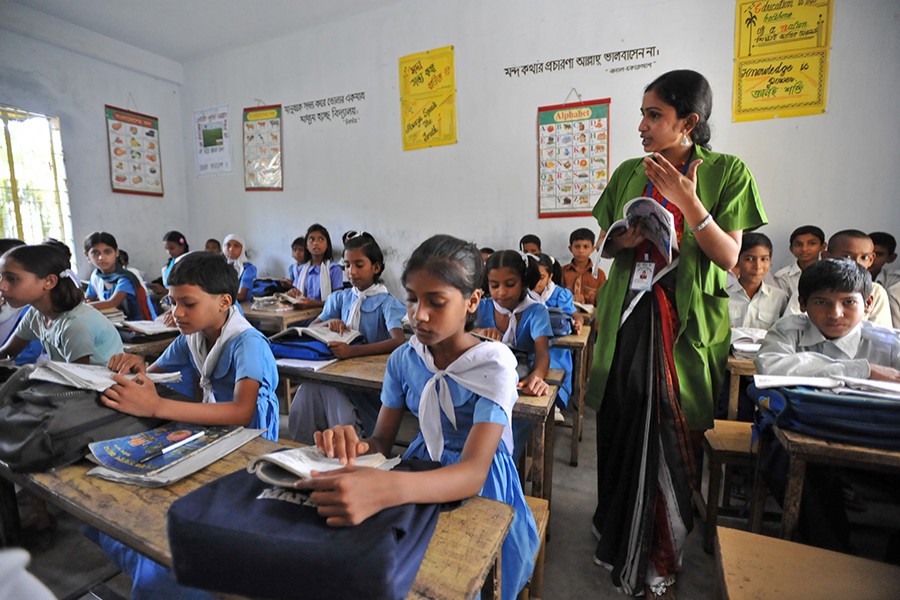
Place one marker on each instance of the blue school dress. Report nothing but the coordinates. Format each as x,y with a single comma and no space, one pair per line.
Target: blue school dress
247,355
312,289
9,320
136,306
533,322
404,380
248,275
561,358
320,406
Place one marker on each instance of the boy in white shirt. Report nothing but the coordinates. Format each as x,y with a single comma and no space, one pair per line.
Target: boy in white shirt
832,338
807,242
885,255
751,301
857,246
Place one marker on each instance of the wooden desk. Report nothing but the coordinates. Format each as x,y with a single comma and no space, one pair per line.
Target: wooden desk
805,449
578,344
751,566
463,552
149,350
737,367
367,373
275,321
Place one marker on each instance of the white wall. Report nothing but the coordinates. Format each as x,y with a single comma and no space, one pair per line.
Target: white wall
484,187
45,78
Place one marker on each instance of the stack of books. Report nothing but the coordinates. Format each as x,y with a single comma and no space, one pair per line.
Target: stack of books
113,314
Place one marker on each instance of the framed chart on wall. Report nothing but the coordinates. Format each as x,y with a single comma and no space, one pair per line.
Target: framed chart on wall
261,128
573,157
135,166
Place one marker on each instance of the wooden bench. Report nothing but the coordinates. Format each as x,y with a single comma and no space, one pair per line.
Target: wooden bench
540,508
750,566
727,443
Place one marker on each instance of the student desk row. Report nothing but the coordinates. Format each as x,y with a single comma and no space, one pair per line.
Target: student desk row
737,367
149,350
367,373
276,321
580,344
462,558
805,449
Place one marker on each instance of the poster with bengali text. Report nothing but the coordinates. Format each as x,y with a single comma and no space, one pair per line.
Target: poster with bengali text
428,99
212,143
135,166
261,131
573,157
781,26
789,85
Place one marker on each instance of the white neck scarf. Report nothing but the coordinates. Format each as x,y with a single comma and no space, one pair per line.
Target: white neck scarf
544,296
99,286
360,295
324,279
509,336
205,358
486,369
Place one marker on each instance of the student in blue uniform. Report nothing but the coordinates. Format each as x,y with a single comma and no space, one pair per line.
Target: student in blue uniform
112,285
514,318
68,329
234,250
238,380
369,308
549,292
318,277
442,365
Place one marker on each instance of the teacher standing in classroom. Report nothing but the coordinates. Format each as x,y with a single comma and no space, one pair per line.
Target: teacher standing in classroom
662,345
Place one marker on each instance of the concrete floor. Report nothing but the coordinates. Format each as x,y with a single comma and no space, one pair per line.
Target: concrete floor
70,565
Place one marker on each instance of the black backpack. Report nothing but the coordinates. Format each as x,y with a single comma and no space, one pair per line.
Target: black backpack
45,425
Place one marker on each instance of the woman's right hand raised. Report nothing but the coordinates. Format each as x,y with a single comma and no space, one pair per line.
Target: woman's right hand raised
622,238
341,442
126,363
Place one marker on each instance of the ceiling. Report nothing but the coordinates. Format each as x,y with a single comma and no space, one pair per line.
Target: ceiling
183,30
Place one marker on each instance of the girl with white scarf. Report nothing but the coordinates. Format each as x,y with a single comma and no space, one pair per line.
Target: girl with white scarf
235,251
369,308
319,277
462,391
515,318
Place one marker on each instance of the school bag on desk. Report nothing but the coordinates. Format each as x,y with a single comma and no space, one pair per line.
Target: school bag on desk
45,425
238,535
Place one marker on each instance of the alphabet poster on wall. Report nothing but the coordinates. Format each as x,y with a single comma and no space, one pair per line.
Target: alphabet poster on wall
573,157
262,148
428,99
781,58
135,166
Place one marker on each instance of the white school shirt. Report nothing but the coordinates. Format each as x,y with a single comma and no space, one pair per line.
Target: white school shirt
787,279
880,311
794,346
888,277
893,293
759,312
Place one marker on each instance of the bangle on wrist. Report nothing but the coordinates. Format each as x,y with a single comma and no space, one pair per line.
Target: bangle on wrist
702,224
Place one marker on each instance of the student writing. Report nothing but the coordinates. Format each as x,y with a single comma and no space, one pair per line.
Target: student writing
462,392
69,330
367,307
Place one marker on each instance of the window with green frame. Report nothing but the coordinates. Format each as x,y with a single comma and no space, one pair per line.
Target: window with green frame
34,203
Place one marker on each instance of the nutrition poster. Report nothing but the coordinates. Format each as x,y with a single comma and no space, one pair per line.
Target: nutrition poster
135,166
573,157
262,148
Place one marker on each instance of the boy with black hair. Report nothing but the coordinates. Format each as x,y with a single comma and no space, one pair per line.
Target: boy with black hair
806,243
885,254
530,244
831,339
855,245
238,379
751,301
577,276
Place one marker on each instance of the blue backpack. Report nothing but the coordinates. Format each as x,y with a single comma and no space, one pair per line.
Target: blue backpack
304,347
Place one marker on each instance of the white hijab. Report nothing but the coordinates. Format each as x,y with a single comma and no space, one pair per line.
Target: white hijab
324,279
206,358
359,296
486,369
509,336
237,263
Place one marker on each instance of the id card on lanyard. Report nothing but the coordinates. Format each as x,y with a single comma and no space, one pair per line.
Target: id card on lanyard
642,275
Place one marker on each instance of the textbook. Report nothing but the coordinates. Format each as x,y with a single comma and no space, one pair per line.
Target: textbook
88,377
113,314
148,327
746,341
142,459
285,467
303,364
320,332
279,302
656,223
837,384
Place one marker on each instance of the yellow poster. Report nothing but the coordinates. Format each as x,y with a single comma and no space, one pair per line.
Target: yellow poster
789,85
781,26
781,58
428,99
